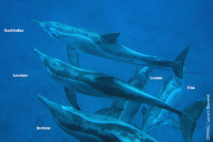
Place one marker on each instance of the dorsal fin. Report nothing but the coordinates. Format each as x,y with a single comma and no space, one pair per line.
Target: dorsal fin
111,37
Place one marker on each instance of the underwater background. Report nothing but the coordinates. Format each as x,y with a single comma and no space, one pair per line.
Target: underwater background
161,28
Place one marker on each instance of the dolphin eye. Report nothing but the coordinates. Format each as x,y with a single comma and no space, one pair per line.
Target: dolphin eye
53,35
53,64
56,62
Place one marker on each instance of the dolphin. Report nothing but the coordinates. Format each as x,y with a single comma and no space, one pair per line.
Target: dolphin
98,127
105,46
100,85
138,80
169,93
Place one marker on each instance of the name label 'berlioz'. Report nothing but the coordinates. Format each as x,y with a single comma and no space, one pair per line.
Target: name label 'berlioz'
156,77
43,128
20,75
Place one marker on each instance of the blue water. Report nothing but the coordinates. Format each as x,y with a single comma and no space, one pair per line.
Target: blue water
161,28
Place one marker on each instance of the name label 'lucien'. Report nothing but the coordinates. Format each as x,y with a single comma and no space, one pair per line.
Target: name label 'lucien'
20,75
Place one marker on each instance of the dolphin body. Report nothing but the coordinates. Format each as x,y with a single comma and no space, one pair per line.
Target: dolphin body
169,93
138,80
100,85
105,46
98,127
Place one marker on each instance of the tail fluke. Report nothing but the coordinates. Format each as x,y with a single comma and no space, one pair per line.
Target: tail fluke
188,118
179,62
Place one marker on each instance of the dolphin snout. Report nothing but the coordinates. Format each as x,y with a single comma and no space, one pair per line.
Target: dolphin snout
35,22
42,99
49,104
40,54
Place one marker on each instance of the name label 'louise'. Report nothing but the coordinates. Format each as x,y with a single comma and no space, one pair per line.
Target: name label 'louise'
156,77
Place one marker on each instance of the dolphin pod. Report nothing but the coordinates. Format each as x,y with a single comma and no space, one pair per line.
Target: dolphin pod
138,80
105,46
170,94
91,83
95,126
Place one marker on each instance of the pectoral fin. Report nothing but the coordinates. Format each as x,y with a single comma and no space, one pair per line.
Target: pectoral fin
117,103
71,96
135,125
109,111
73,56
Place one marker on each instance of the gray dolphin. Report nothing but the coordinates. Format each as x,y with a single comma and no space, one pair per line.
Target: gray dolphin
105,46
100,85
99,127
169,93
138,80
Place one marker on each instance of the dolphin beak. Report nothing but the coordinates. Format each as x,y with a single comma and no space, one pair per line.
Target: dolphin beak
46,27
34,22
49,104
41,55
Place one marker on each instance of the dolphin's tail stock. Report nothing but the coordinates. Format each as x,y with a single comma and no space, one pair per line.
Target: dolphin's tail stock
179,62
189,116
